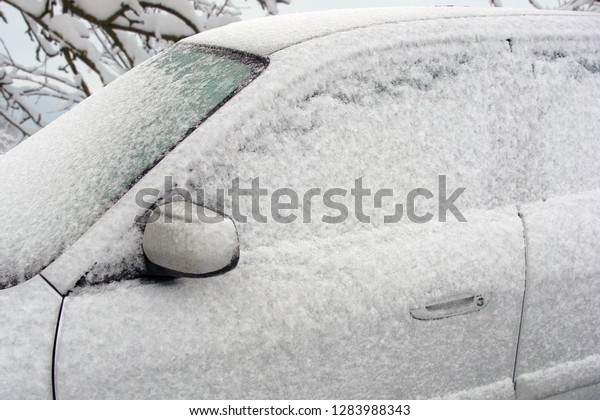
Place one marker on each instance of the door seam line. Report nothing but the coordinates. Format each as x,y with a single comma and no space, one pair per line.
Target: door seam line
526,247
55,343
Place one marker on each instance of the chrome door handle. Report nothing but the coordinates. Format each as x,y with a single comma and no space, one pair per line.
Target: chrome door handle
451,306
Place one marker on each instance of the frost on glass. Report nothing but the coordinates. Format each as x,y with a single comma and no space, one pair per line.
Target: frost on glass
62,179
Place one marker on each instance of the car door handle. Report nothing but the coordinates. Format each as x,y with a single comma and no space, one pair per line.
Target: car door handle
451,306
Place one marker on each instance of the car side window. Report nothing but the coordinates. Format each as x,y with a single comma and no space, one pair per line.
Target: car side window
562,153
389,120
395,120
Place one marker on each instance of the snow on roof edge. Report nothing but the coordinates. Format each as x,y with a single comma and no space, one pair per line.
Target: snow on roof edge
268,35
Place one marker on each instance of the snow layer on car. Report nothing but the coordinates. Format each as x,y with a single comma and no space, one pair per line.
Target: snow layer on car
505,132
266,36
501,390
29,313
560,378
591,392
341,283
300,290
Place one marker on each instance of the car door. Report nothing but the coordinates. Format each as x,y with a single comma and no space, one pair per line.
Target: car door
559,348
559,345
383,308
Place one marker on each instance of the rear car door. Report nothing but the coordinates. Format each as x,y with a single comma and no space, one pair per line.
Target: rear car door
559,348
560,338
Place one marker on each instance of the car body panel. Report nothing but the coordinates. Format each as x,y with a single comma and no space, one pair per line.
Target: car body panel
560,339
29,314
591,392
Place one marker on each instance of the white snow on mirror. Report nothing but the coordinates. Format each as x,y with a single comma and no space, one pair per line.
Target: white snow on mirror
190,239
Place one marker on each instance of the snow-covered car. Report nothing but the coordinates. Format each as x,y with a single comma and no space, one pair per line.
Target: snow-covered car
103,297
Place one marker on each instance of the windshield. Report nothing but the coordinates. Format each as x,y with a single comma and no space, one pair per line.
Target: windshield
61,180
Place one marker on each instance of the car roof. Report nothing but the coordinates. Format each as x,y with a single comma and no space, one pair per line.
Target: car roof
268,35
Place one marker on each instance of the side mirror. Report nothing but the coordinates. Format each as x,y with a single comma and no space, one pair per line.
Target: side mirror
182,239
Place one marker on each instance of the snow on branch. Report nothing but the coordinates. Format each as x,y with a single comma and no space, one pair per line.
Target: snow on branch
82,45
573,5
271,5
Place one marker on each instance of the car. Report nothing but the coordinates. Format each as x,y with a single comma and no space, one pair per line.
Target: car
355,204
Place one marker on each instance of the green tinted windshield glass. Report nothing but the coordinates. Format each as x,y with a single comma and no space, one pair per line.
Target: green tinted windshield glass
173,94
66,176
